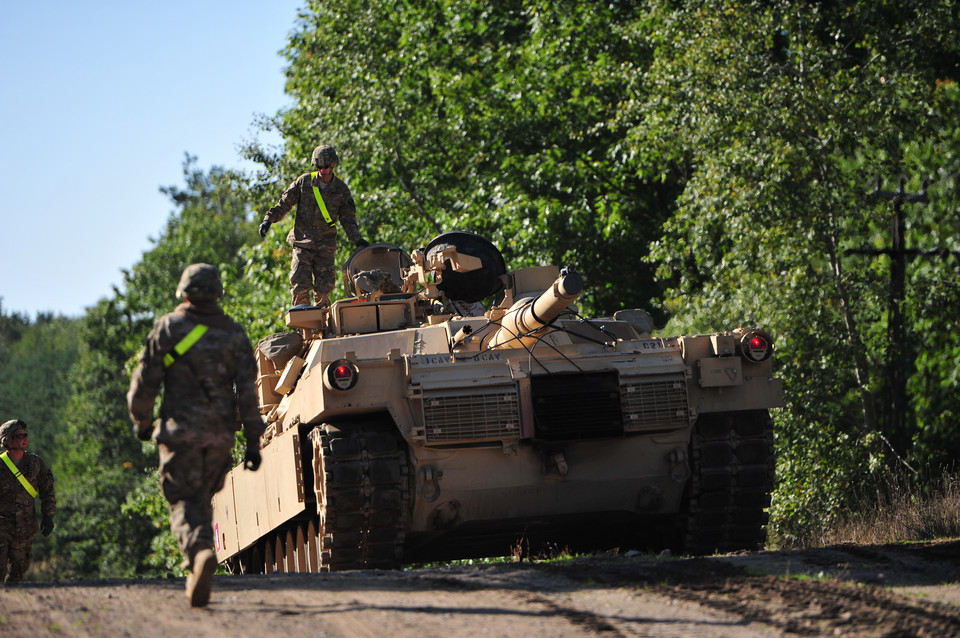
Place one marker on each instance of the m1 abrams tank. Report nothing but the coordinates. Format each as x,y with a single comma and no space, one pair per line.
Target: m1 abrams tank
409,424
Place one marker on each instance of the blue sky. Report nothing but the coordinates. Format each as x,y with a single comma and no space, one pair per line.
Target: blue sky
100,102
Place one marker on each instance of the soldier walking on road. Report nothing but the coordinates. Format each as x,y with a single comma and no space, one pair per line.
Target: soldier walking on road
321,199
24,477
205,363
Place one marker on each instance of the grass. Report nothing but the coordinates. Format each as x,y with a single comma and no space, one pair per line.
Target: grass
903,512
519,552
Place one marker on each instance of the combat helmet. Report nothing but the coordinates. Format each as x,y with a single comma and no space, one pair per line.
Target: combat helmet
324,155
200,282
8,429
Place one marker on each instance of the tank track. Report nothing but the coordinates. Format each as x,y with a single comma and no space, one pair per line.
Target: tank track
361,477
732,475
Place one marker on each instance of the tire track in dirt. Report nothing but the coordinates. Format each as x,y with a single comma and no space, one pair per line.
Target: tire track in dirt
581,619
816,608
744,595
791,605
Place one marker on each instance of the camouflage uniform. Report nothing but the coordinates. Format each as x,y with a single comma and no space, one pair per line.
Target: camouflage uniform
206,389
314,241
18,515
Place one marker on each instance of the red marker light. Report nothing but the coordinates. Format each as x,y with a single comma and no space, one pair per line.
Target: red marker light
341,375
756,345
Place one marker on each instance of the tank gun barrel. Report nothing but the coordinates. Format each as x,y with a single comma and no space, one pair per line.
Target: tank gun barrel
527,317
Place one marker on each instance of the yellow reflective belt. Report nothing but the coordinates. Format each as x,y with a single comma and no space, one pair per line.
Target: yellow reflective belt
185,344
16,472
323,207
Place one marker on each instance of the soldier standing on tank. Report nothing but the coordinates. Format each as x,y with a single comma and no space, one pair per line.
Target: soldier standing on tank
24,477
321,199
205,363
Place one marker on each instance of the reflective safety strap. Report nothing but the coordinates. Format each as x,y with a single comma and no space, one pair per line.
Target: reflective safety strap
20,477
323,207
185,344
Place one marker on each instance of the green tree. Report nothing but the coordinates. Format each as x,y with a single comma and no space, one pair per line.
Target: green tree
933,304
715,156
496,119
781,127
12,327
723,151
114,520
35,362
100,459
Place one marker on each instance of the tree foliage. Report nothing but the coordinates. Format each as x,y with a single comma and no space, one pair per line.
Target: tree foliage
712,161
717,156
784,126
495,119
36,357
100,460
110,515
35,361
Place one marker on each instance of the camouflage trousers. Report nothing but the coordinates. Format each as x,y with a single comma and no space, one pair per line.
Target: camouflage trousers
313,270
15,550
189,477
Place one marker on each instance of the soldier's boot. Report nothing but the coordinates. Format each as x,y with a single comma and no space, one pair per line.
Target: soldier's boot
301,297
19,563
322,300
200,579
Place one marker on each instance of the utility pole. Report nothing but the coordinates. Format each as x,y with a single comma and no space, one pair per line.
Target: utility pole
898,355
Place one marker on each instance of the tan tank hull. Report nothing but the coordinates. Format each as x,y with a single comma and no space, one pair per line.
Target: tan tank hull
442,440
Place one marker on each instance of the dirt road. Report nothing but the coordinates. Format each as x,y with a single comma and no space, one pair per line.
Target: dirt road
895,590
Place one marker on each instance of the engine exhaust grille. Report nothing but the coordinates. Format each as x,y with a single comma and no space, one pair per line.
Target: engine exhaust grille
471,417
655,404
576,406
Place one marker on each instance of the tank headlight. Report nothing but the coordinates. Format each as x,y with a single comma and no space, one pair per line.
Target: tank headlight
756,345
341,375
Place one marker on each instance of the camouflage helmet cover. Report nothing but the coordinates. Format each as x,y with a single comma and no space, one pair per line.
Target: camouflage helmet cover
8,429
200,282
324,156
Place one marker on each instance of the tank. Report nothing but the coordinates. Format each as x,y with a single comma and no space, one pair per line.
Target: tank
409,423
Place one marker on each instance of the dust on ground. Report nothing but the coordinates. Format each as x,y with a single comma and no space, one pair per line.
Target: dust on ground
844,590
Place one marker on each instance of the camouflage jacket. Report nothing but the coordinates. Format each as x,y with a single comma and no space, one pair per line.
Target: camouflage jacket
311,230
208,391
17,507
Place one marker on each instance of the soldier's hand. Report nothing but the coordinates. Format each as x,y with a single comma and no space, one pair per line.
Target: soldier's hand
46,525
362,243
251,460
264,227
144,431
